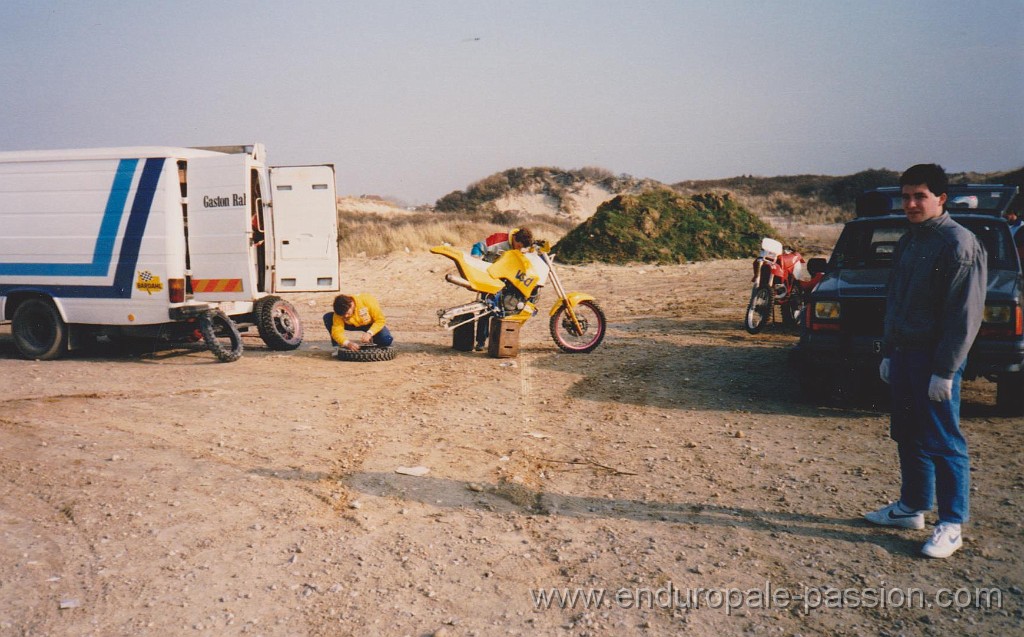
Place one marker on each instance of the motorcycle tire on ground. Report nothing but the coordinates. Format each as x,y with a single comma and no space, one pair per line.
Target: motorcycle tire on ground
366,354
221,335
278,323
759,310
594,324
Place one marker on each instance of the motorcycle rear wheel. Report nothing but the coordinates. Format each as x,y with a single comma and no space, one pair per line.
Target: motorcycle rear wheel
568,338
793,312
759,310
793,309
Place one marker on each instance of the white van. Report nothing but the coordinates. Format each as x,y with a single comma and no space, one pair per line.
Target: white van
160,242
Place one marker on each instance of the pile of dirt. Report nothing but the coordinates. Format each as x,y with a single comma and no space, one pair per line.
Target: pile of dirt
662,226
543,190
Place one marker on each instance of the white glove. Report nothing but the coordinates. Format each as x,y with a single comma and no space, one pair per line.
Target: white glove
940,389
883,370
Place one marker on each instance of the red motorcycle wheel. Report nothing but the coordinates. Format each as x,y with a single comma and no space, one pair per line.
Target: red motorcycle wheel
794,307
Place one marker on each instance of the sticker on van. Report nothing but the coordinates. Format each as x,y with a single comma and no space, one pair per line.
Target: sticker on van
148,282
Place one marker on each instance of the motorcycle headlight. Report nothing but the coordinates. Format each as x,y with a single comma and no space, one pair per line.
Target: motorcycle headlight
826,310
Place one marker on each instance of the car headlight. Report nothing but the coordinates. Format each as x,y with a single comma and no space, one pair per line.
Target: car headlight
826,310
997,313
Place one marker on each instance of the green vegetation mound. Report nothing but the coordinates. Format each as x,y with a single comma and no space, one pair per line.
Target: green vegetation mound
662,226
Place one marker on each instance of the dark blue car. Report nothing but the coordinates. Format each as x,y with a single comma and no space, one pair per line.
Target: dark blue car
841,336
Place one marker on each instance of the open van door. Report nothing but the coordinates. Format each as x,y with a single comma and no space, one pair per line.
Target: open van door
219,228
305,221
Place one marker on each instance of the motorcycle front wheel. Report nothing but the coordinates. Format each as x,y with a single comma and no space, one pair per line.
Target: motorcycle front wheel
580,340
759,309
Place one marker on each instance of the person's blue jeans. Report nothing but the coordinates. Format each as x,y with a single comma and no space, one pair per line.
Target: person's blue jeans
932,450
382,338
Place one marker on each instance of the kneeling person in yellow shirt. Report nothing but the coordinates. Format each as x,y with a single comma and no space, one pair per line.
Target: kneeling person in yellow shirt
359,312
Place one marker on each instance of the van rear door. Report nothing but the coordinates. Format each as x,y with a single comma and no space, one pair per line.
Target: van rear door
220,228
305,221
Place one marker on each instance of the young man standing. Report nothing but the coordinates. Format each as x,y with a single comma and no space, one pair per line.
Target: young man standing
936,296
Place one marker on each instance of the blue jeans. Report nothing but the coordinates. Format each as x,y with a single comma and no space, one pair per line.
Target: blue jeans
382,338
932,450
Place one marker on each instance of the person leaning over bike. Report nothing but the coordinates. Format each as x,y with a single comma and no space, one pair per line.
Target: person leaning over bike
935,299
362,313
489,250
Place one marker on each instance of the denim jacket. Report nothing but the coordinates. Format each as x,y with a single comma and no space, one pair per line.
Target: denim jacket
936,292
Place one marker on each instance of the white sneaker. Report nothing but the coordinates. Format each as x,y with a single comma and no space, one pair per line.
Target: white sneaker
946,540
895,515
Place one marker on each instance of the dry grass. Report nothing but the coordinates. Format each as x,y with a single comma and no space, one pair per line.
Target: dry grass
367,234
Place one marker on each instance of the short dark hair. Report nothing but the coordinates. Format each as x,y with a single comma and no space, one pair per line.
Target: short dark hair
342,304
931,175
523,236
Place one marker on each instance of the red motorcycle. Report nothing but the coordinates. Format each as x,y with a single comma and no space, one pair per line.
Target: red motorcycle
780,278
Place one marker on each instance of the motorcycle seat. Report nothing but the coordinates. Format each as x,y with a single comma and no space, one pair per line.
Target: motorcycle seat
472,269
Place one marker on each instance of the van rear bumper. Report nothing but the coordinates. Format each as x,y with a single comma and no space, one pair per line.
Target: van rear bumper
185,312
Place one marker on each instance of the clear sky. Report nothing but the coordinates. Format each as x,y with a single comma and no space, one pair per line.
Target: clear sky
414,99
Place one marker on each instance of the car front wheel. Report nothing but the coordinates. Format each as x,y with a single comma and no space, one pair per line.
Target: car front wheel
1010,394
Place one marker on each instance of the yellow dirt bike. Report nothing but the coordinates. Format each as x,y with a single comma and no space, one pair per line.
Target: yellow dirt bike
508,289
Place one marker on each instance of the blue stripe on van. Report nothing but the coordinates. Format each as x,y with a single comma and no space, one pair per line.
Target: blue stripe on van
129,255
104,249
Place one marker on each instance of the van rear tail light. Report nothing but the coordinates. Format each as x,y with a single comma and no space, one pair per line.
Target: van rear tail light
176,289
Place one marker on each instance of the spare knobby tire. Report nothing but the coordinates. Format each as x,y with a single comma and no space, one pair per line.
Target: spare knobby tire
278,323
221,335
366,354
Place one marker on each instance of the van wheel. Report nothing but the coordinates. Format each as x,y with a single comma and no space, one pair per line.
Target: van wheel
221,335
1010,394
39,331
278,323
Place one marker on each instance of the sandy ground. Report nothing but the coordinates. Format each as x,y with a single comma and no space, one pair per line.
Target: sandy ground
675,469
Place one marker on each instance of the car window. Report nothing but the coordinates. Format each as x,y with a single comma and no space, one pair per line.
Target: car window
995,236
871,245
868,245
991,199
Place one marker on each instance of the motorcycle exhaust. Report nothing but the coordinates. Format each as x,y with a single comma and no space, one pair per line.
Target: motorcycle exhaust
459,281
